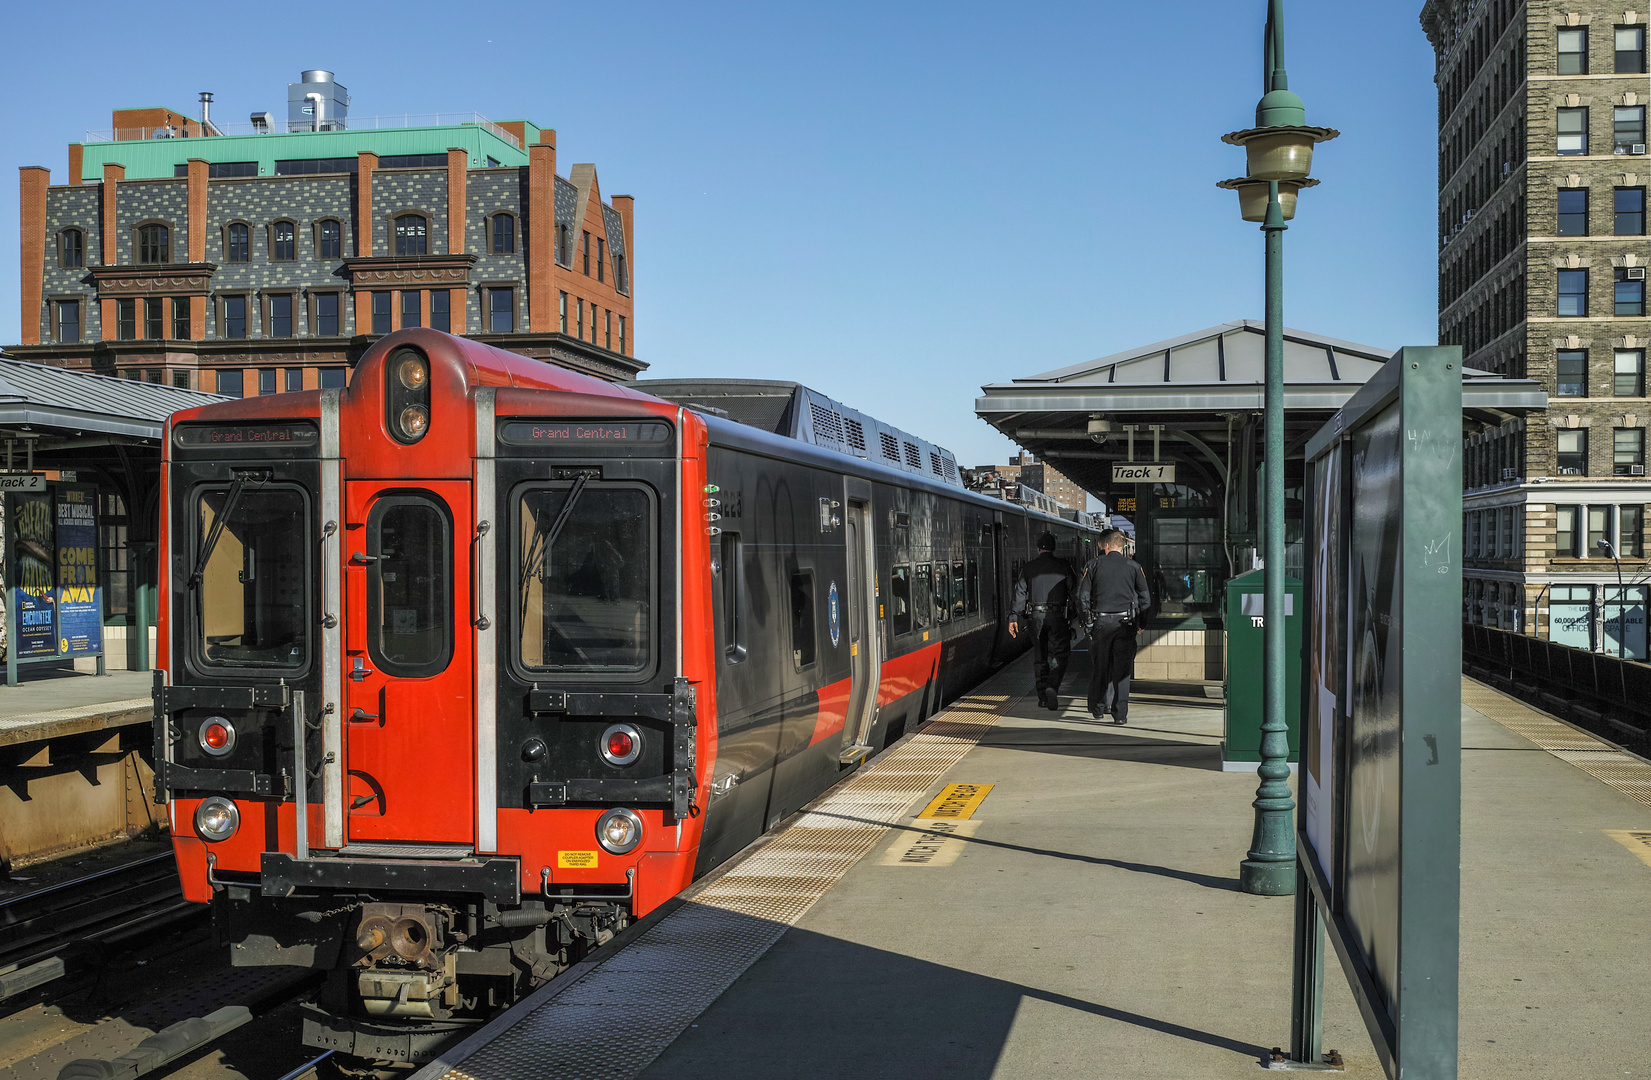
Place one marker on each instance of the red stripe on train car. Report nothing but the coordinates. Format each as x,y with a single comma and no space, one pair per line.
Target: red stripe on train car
901,675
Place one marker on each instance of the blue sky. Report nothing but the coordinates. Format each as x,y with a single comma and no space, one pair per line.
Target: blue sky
894,202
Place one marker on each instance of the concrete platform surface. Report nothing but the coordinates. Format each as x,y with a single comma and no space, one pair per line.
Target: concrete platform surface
1091,925
46,705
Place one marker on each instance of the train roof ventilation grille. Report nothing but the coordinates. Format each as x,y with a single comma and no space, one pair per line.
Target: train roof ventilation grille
891,446
828,426
935,464
856,434
912,458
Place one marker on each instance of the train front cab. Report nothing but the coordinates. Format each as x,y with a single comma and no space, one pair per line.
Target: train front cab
424,721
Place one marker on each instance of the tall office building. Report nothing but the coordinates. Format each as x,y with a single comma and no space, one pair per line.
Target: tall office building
1542,271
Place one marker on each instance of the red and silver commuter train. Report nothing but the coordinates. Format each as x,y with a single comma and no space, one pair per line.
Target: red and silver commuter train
470,664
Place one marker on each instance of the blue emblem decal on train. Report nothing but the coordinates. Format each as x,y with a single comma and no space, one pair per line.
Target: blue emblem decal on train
834,615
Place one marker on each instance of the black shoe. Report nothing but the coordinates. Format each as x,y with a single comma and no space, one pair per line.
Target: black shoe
1119,719
1051,700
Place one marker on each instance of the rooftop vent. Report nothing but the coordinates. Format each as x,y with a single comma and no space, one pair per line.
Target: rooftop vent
317,103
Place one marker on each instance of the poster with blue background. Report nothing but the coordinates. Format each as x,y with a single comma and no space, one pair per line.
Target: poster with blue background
32,572
79,596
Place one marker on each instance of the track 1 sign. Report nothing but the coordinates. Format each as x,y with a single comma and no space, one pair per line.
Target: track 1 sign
1143,472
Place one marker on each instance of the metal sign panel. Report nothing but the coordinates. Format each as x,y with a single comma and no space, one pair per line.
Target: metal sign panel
22,481
1379,827
1143,472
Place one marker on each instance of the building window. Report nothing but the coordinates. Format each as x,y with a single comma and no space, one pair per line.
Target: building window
1630,211
412,235
229,384
126,321
580,325
607,329
504,234
411,312
326,314
1628,129
295,379
1630,50
329,240
1573,211
1599,528
280,315
622,335
1573,452
1573,373
1573,131
441,316
381,312
180,379
501,311
68,320
180,318
1629,293
1565,532
619,280
1573,52
267,383
71,249
562,302
334,378
283,241
586,254
1629,377
154,244
237,243
601,257
1573,293
1630,534
562,255
154,319
235,316
1628,452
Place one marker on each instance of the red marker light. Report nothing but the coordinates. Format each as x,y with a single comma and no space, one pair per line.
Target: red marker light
620,744
216,736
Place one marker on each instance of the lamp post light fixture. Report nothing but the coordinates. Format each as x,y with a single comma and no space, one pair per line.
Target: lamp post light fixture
1279,150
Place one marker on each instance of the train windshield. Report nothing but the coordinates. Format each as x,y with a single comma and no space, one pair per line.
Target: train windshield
250,580
586,577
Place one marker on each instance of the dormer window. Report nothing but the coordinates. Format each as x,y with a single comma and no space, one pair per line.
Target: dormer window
154,244
71,249
283,243
412,234
237,242
503,235
329,239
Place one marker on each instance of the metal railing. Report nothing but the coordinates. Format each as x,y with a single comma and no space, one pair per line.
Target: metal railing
1594,681
353,123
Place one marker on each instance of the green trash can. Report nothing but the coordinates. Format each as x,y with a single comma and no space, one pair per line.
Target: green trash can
1246,603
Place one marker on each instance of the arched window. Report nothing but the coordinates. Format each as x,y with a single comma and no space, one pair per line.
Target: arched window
283,241
504,234
154,244
237,242
71,248
412,235
329,240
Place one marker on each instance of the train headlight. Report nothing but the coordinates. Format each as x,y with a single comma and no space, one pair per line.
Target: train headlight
217,736
621,744
619,831
217,819
407,395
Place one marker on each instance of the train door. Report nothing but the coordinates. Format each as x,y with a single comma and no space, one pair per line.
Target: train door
408,717
865,652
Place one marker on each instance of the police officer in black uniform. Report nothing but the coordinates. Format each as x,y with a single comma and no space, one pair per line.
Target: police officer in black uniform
1042,592
1114,596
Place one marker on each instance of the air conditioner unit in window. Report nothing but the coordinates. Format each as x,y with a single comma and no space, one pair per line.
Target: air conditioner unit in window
1636,470
1637,148
1507,167
1636,273
1509,474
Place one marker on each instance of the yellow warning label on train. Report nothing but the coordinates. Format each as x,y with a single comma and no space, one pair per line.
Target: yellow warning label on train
956,802
576,860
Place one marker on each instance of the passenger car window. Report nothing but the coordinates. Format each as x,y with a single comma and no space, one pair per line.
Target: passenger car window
410,588
252,587
942,593
921,598
958,590
900,595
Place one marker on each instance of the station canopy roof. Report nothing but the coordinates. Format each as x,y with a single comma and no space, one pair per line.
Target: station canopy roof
1201,387
54,405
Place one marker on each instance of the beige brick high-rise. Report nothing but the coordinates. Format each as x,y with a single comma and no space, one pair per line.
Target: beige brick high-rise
1542,265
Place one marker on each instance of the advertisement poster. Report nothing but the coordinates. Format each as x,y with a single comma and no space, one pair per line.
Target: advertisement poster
79,603
32,561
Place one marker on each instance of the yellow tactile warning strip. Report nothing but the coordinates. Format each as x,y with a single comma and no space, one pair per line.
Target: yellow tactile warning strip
1604,762
1636,840
956,802
611,1020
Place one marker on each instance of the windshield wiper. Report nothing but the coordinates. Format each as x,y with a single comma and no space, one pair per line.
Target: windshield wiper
222,520
543,540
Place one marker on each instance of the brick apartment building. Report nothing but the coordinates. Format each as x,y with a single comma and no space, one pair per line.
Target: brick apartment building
1542,271
182,252
1025,468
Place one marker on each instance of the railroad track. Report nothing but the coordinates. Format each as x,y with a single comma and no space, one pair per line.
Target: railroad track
42,931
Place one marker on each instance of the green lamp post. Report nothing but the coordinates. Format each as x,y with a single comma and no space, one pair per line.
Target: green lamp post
1280,155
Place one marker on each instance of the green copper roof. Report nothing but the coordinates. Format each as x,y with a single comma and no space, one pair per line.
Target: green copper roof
157,158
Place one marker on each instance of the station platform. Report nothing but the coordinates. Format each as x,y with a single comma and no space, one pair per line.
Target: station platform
49,705
1084,920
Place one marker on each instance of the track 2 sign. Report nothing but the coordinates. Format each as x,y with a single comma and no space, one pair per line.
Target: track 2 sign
1143,472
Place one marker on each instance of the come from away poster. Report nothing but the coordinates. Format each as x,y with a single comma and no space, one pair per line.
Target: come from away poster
79,603
33,577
